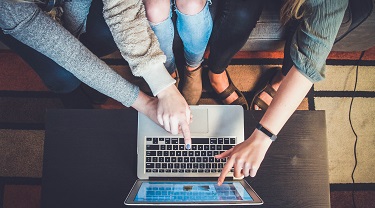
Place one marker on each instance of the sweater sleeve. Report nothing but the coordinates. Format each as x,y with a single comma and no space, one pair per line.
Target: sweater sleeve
137,42
315,36
28,24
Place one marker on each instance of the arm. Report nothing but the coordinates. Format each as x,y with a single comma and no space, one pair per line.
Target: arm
310,47
139,46
28,24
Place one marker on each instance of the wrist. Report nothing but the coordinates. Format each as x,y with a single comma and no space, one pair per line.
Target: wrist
266,132
166,92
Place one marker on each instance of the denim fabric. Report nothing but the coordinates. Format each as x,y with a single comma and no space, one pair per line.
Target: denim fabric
55,77
164,31
314,35
195,31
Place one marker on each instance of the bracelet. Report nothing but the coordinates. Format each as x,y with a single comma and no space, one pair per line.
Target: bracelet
266,132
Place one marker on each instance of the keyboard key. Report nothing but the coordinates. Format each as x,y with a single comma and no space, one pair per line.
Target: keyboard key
232,141
148,170
226,140
213,141
220,140
227,147
149,165
148,159
174,141
200,141
148,139
150,153
181,140
167,141
155,140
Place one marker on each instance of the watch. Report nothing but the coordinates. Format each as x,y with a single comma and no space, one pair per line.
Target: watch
273,137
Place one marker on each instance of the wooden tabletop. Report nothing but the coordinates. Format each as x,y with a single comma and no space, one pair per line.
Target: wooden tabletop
90,160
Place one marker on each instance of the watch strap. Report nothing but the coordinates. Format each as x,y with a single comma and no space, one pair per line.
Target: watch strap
261,128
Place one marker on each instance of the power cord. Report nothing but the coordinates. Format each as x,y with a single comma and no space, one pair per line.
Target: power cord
351,125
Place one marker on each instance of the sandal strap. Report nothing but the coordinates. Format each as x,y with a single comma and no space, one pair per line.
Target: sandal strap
227,92
269,90
260,103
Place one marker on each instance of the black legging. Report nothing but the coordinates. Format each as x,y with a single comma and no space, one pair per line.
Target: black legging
233,22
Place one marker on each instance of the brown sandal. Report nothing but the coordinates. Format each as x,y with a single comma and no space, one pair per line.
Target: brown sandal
241,100
266,87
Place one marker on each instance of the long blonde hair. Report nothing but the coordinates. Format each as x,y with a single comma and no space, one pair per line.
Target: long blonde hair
291,9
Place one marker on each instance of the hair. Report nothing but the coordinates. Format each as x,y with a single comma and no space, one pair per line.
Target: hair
291,9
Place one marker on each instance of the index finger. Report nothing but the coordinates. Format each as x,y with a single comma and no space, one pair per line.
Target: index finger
186,133
228,166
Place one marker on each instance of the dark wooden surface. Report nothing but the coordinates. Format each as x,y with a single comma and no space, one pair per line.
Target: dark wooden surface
90,160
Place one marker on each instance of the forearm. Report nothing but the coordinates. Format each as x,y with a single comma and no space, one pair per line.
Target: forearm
290,94
49,38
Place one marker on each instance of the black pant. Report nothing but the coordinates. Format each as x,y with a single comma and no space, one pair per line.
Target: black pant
233,22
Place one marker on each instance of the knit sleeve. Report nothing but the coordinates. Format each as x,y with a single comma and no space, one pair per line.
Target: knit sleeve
28,24
137,42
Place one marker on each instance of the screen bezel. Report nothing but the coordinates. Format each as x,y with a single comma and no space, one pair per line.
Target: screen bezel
133,192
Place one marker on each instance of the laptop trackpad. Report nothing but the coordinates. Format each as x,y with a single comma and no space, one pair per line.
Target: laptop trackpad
200,121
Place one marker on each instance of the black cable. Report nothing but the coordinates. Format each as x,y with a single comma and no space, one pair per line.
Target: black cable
351,125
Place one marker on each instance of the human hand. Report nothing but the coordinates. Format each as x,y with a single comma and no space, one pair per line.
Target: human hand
173,113
245,157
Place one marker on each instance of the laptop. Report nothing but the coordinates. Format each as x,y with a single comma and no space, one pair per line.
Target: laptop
171,175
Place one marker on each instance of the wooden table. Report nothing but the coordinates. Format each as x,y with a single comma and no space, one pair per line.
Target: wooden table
90,160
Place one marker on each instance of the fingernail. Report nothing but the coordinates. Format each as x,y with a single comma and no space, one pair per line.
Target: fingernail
187,146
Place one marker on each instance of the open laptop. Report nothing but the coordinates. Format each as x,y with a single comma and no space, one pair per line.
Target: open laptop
171,175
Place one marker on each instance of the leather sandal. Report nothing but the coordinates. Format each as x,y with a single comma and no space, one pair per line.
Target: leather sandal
265,86
241,100
192,85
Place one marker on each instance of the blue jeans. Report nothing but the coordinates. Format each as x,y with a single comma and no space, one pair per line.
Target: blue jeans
194,30
97,38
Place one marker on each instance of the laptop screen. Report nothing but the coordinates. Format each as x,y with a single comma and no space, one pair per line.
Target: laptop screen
191,191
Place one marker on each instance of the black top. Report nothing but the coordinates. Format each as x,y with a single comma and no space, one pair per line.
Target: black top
90,160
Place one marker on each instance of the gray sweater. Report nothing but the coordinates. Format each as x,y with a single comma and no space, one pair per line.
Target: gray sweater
129,26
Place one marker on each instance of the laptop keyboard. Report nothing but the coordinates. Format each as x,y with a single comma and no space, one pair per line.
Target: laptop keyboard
168,155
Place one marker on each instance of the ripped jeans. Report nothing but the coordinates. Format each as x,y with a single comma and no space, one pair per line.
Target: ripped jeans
194,30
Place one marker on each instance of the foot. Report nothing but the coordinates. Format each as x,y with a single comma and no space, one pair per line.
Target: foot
219,83
192,86
275,84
